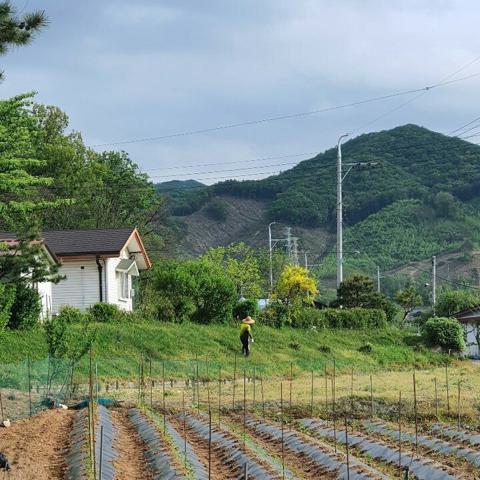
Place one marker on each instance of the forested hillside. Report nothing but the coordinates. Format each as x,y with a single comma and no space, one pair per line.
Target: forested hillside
417,201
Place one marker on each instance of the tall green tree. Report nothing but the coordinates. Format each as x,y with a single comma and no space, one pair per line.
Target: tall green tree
408,299
18,31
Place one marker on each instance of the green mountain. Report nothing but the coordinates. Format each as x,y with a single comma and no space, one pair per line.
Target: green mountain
417,201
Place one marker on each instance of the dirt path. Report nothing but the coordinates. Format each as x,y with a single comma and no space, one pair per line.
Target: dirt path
36,447
131,464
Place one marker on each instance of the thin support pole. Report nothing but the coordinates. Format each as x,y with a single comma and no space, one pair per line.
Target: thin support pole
163,399
151,384
282,429
436,397
245,471
208,384
400,430
334,417
351,389
311,397
100,461
29,386
219,396
458,406
234,381
346,448
96,381
326,388
254,386
415,410
198,387
447,385
371,397
209,444
244,409
263,397
1,407
184,430
290,412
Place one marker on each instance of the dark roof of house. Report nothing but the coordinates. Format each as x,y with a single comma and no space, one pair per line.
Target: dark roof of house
472,310
87,242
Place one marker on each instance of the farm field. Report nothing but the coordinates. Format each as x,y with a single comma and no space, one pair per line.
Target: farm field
143,442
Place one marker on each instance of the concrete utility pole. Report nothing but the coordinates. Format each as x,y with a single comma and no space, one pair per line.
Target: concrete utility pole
378,279
295,251
288,238
434,283
305,256
340,179
339,213
270,248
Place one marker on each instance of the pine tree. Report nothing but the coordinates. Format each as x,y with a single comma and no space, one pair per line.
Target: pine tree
18,31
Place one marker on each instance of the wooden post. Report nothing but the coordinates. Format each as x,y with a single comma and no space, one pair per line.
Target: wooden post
415,410
351,390
234,380
436,397
100,461
1,406
245,471
198,387
263,397
290,413
209,444
254,386
334,416
208,384
184,430
326,389
151,384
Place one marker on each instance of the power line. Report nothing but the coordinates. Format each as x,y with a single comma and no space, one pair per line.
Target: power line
286,116
463,126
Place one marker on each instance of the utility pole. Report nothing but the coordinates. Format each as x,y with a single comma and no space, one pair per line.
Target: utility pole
270,248
340,178
288,238
295,251
378,279
305,256
339,213
434,283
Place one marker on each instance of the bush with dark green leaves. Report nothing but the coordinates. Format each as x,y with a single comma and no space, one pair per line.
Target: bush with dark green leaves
245,308
7,297
446,333
71,314
104,312
26,308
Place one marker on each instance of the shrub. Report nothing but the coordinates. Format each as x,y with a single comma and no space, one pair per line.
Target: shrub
446,333
355,318
244,308
366,348
324,349
71,314
274,315
7,297
309,317
26,308
104,312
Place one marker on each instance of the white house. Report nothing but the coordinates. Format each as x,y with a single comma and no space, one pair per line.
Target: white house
97,266
470,319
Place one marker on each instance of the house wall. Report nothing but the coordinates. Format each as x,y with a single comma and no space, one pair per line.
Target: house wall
45,290
80,287
472,332
113,283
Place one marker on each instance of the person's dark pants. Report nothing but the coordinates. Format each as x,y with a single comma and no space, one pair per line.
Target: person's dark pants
245,345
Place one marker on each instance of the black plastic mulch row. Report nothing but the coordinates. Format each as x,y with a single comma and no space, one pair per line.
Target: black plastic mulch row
198,468
156,449
233,457
328,462
434,444
379,451
457,434
78,452
109,454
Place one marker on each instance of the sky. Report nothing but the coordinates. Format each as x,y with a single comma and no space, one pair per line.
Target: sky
126,70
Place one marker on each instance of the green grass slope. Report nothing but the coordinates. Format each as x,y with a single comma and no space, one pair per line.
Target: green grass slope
121,347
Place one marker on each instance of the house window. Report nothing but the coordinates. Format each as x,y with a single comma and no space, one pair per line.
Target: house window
123,285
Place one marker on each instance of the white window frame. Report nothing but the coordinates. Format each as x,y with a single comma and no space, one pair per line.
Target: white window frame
123,286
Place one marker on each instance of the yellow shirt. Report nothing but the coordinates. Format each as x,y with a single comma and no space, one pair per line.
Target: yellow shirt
245,329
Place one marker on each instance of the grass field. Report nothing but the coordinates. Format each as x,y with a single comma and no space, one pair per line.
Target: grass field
120,348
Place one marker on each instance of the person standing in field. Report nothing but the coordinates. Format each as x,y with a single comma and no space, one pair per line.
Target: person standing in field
246,335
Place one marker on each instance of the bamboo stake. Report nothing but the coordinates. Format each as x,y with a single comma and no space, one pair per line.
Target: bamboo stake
29,386
371,397
436,397
209,444
458,406
282,428
219,395
311,397
351,390
1,406
346,448
198,388
334,418
290,413
151,384
447,385
254,386
184,430
100,461
263,397
244,409
326,388
415,410
163,399
400,430
208,383
234,381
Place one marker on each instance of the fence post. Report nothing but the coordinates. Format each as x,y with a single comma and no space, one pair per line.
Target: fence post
29,386
245,471
100,464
